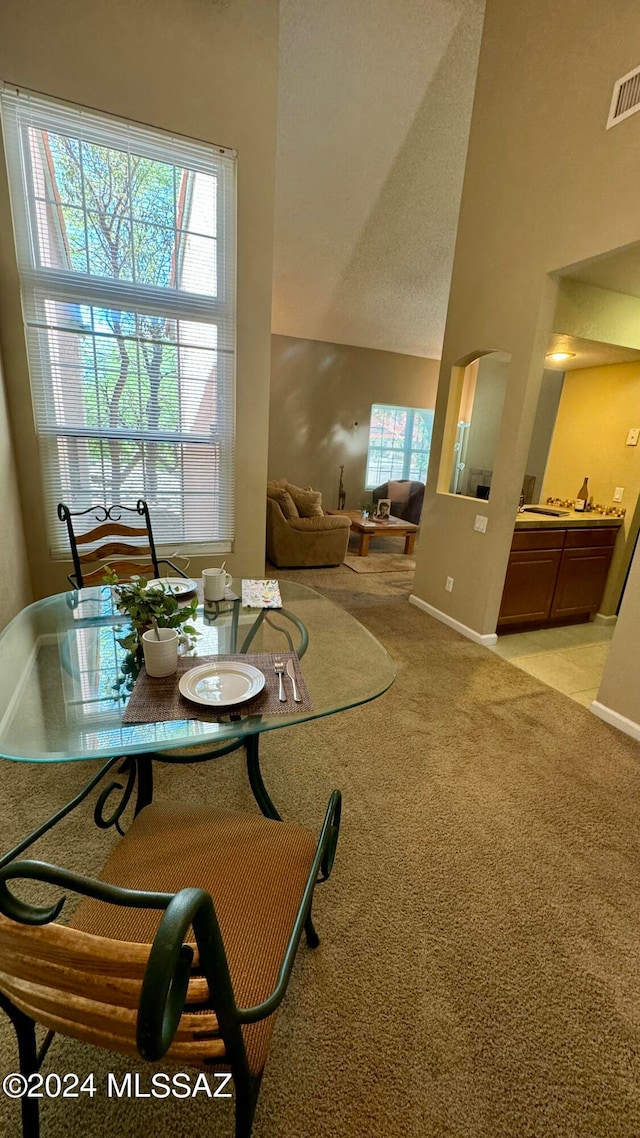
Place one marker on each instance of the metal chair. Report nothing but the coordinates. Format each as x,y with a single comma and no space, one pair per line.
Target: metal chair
136,555
183,947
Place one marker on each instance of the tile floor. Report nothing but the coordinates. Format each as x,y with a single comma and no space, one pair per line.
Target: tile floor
569,659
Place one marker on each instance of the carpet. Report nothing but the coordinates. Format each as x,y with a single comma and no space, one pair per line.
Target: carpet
381,563
479,973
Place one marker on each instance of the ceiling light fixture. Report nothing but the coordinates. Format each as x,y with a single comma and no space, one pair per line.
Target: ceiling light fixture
560,357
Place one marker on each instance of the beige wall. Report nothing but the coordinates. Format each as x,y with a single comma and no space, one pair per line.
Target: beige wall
597,407
545,186
15,582
205,70
319,391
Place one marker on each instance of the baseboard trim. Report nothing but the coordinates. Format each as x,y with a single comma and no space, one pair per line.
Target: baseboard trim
486,640
602,618
615,719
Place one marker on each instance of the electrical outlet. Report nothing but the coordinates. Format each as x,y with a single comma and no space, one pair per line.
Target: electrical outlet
480,523
617,493
449,584
632,437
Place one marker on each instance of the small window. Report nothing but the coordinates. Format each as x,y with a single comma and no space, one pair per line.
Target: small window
399,444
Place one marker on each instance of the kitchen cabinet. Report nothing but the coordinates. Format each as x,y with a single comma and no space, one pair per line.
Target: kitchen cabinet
555,574
583,572
531,576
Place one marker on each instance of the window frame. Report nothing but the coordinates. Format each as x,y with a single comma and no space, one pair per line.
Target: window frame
407,451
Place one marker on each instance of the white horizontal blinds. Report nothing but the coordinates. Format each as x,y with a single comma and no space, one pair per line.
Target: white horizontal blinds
126,249
399,444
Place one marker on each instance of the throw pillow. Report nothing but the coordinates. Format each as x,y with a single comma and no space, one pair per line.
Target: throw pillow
308,502
285,502
399,492
275,484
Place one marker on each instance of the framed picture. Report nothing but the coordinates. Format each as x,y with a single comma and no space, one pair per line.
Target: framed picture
383,510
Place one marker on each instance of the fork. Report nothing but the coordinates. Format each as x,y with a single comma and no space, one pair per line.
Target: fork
278,668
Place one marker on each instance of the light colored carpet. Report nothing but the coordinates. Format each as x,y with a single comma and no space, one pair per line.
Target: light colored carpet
479,968
381,563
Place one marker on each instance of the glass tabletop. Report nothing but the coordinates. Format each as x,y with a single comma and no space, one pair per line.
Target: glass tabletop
63,690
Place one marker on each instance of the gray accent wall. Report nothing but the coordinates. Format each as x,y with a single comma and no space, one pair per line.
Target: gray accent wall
321,398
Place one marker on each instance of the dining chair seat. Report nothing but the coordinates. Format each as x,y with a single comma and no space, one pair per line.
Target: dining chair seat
254,868
94,978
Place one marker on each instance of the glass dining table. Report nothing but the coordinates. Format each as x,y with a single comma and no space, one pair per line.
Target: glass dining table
65,679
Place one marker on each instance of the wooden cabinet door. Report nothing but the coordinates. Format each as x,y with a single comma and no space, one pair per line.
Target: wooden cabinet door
581,580
529,586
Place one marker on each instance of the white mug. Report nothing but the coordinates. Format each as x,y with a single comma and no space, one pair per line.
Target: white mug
214,583
161,656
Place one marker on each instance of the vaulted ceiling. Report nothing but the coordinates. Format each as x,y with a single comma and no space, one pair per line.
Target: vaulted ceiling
374,110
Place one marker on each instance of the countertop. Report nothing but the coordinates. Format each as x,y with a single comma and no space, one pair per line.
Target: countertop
574,519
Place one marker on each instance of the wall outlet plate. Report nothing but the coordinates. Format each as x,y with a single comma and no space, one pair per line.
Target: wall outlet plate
449,584
480,523
632,437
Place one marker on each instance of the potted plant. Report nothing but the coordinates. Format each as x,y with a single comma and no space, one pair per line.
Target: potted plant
146,607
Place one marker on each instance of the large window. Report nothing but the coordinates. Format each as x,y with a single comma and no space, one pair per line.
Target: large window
126,250
399,444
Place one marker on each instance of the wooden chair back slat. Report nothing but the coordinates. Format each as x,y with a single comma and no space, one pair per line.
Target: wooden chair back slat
196,1054
108,989
89,987
112,529
46,1000
74,948
119,990
114,549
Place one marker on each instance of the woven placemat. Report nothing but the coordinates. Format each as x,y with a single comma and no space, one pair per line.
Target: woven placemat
160,700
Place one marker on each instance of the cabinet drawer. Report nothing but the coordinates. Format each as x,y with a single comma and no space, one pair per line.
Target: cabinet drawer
537,539
591,536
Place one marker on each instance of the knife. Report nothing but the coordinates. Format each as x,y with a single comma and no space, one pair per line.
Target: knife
292,676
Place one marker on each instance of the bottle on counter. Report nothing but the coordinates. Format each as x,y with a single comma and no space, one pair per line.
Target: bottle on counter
582,496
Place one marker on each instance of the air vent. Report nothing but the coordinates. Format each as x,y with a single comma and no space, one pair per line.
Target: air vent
625,100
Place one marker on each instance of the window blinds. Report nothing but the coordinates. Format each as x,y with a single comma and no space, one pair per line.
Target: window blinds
125,239
399,444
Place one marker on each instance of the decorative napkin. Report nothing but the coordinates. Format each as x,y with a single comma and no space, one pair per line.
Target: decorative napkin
261,594
160,700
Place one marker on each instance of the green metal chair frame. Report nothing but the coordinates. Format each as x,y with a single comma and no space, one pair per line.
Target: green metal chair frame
168,969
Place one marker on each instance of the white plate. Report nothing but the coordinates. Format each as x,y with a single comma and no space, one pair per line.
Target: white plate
221,685
178,586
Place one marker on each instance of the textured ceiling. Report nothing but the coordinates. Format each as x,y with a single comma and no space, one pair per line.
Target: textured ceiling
374,109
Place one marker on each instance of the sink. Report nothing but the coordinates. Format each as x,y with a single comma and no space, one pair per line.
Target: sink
546,511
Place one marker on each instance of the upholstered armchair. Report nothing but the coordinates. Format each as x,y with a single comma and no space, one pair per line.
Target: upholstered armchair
406,499
299,533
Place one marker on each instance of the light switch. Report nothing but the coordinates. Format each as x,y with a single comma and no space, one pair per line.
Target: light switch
632,437
481,523
617,493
